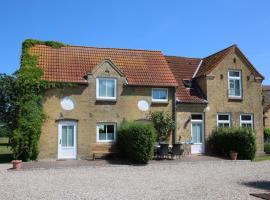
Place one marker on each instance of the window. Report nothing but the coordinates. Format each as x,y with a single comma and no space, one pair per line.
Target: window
106,88
246,120
67,136
160,95
234,84
106,132
223,120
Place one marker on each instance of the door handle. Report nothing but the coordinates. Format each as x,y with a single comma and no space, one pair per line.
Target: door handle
60,141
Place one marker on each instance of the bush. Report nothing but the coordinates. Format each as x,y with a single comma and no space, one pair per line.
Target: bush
267,134
163,123
241,140
267,147
135,141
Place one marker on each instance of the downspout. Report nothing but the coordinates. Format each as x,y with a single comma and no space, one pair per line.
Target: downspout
174,115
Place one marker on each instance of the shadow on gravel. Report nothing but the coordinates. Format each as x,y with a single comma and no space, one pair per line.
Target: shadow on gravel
265,185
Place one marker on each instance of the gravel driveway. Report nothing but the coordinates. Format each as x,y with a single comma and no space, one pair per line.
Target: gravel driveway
175,180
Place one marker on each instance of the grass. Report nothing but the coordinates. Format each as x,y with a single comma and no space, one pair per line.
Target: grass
5,151
262,158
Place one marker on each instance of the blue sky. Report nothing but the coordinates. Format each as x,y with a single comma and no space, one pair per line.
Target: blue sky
185,28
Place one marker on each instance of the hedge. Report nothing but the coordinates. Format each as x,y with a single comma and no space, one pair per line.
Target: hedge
267,147
135,141
241,140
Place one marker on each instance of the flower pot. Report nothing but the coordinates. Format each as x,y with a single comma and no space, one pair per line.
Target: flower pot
233,155
17,164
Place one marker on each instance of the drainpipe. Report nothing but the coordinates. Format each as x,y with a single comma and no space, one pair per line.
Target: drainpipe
174,114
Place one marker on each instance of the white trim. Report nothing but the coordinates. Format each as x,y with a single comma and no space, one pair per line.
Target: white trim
97,132
67,123
224,121
198,121
235,78
246,121
199,66
160,100
97,88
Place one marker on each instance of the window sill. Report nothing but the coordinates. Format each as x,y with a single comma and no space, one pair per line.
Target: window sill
235,98
159,102
104,99
106,142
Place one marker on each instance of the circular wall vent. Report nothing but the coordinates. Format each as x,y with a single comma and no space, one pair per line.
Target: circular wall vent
143,105
67,103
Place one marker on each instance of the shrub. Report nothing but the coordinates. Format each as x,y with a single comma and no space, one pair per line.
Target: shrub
267,147
135,141
267,134
241,140
163,124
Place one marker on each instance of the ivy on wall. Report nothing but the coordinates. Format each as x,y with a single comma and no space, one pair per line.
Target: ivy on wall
31,88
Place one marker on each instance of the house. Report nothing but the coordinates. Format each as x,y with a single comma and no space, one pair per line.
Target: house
112,84
221,90
266,106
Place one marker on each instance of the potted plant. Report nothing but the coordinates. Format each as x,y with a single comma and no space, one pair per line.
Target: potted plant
17,164
233,155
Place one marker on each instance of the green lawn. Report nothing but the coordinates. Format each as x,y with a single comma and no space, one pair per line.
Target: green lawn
262,158
5,151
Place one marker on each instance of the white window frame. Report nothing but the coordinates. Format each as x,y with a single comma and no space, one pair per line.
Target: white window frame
104,97
246,121
235,78
97,132
160,100
224,121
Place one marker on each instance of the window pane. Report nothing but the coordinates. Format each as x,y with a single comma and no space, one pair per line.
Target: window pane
110,88
237,87
246,117
234,74
160,94
110,128
223,125
64,136
223,117
102,87
110,136
101,132
70,136
197,136
196,117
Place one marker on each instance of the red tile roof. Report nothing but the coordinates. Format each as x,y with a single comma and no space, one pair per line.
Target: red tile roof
210,62
184,68
72,63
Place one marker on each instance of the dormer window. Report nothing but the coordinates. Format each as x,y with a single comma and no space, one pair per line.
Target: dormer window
106,88
234,84
187,83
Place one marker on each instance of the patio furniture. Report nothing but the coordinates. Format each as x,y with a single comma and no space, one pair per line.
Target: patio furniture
103,149
163,151
177,151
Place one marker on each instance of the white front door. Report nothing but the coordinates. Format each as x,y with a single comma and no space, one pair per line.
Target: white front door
197,133
67,140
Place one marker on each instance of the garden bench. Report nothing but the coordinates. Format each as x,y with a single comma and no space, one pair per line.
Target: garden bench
103,149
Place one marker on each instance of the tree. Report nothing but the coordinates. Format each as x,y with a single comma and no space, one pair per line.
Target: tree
163,124
8,104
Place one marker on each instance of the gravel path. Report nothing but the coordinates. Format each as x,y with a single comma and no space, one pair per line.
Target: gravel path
187,180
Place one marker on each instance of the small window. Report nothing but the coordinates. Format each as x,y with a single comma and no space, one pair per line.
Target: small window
196,117
223,120
234,84
106,132
160,95
246,120
106,88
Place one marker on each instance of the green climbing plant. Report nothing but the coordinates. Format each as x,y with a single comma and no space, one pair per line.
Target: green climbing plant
30,91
